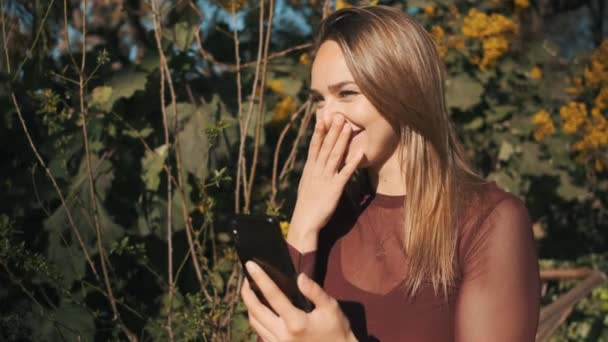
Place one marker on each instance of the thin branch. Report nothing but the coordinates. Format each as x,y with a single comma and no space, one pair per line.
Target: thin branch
260,115
275,163
93,198
240,66
241,165
289,163
157,35
8,61
40,28
67,34
56,186
275,55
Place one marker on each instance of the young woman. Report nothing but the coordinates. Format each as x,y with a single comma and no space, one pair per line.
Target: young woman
429,251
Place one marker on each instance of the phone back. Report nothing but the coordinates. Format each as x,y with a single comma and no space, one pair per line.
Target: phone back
258,238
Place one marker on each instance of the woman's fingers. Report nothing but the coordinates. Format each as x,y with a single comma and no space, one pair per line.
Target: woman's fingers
350,167
330,139
313,291
337,153
273,294
264,333
316,140
257,309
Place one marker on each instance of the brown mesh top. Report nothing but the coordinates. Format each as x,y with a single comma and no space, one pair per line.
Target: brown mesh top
359,261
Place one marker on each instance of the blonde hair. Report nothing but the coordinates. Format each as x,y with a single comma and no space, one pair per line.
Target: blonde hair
396,64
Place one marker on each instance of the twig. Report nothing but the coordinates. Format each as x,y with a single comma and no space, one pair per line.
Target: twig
240,66
67,34
241,165
56,186
260,120
289,163
102,252
275,163
40,28
157,35
8,61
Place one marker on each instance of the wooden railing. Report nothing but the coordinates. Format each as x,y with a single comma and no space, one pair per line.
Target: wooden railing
554,314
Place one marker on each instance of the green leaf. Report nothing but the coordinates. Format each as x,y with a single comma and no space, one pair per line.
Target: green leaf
531,163
474,124
498,113
183,35
184,112
505,181
194,146
217,281
506,151
69,259
68,322
100,98
142,133
463,92
152,165
126,83
567,189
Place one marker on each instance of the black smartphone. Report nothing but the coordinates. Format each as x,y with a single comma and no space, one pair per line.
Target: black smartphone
258,238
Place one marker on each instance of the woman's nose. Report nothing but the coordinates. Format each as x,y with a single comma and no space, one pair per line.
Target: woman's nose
328,115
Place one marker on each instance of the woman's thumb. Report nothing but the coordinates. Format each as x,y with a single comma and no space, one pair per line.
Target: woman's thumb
313,291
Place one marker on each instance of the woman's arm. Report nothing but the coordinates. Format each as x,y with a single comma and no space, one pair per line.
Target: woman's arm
500,295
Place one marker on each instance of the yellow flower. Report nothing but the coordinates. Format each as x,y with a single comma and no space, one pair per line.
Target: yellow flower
544,125
283,109
340,4
576,87
601,101
201,208
493,48
596,72
429,10
536,73
438,35
600,165
275,85
480,25
522,3
493,31
284,228
305,58
573,116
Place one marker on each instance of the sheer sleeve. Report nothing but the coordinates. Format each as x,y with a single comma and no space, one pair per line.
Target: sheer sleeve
500,295
303,262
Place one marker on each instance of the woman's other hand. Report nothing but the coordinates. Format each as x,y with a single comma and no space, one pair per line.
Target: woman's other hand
323,180
326,322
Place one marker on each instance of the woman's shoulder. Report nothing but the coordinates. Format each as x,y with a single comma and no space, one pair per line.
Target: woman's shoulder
489,206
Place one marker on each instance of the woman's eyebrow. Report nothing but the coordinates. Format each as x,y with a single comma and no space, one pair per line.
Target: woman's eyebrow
332,87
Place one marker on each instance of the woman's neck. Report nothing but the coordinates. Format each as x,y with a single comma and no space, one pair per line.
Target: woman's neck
387,178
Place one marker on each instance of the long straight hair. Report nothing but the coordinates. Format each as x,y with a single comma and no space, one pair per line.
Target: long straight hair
396,64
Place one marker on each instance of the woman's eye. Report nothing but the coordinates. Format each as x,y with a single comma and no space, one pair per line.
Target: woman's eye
345,93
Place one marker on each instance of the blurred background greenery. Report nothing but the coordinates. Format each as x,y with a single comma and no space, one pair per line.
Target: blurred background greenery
131,129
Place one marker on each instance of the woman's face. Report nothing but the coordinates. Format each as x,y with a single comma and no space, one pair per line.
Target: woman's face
335,92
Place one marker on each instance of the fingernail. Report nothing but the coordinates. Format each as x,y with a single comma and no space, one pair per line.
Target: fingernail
251,266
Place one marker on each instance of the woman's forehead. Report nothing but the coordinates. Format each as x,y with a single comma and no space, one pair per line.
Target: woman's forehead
329,66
